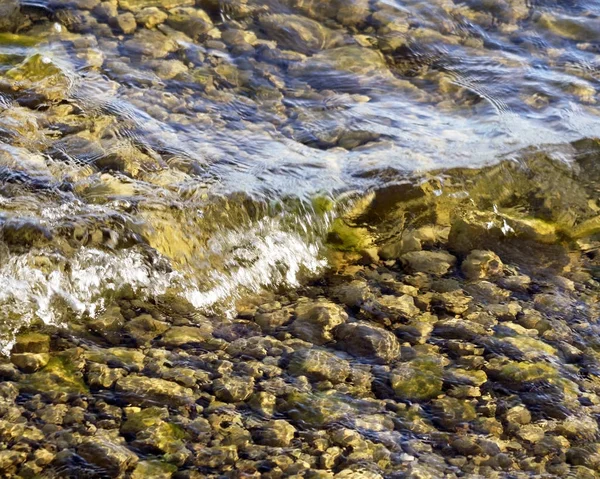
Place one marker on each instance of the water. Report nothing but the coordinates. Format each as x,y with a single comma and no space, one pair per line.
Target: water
188,156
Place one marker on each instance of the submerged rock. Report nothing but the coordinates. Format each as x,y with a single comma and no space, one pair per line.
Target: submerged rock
364,340
319,365
143,390
110,457
315,321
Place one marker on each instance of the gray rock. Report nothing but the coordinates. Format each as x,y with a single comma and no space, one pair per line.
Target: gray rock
365,340
430,262
110,457
295,32
194,22
9,14
481,264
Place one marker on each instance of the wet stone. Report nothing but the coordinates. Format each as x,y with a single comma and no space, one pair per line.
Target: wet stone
319,365
277,433
148,391
480,264
233,388
430,262
315,321
362,339
111,458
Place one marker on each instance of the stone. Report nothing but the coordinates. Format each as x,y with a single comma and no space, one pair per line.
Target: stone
31,343
30,362
37,80
143,390
263,403
138,421
399,306
111,458
109,325
138,5
126,23
150,43
233,388
429,262
150,17
153,469
277,433
315,321
9,15
482,264
316,409
452,413
10,460
216,457
418,380
181,336
59,375
295,32
364,340
144,328
194,22
319,365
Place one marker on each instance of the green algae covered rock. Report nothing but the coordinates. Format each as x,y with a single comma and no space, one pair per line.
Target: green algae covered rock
143,419
153,469
59,375
418,380
38,79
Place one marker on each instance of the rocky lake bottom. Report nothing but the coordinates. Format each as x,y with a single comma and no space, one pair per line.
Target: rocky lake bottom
299,238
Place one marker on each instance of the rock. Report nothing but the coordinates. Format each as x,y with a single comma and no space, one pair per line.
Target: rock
59,375
143,390
150,43
398,306
278,433
126,23
32,343
38,80
109,325
194,22
10,460
181,336
137,5
481,264
349,13
138,421
362,339
216,457
144,328
452,413
315,321
429,262
263,403
418,380
518,415
319,365
316,409
9,15
150,17
153,469
233,388
111,458
270,321
294,32
30,362
353,294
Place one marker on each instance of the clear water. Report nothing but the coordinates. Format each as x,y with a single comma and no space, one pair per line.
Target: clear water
192,164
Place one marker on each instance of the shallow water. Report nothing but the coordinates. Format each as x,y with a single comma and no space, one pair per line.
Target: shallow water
187,155
124,133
